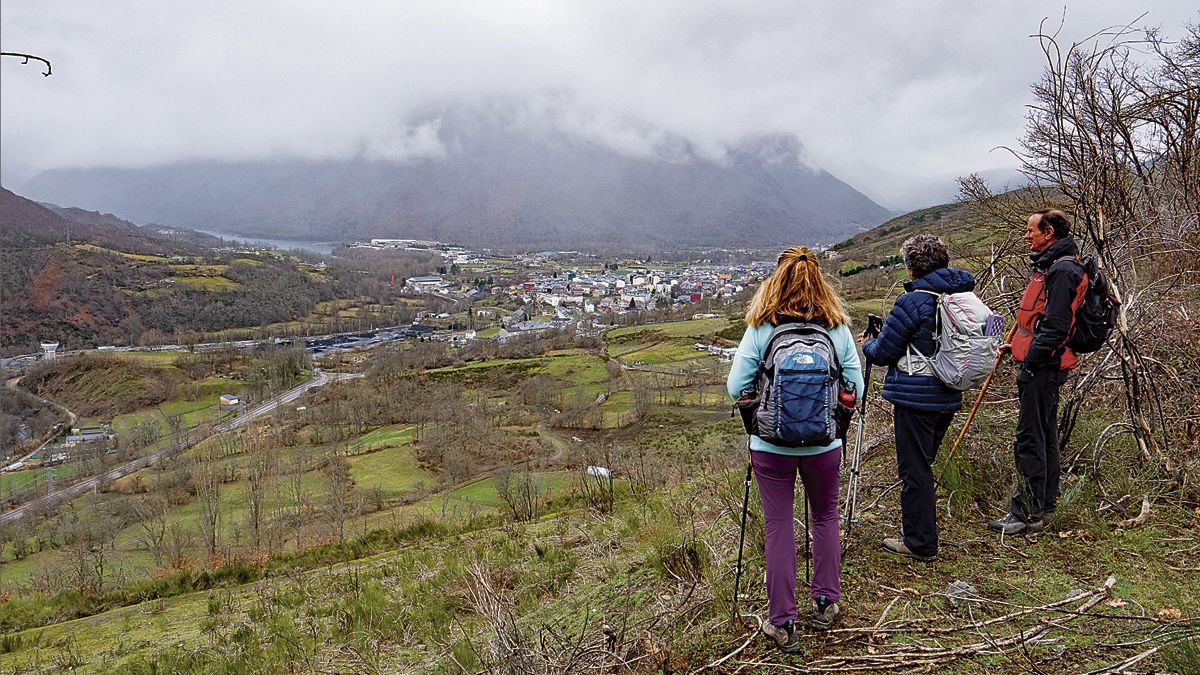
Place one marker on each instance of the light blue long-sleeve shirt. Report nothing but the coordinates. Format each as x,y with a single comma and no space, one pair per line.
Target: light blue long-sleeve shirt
745,368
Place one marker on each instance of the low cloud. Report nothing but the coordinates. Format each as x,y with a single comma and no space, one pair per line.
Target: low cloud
407,144
914,91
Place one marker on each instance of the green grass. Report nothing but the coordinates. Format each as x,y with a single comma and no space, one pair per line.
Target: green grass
625,566
207,283
617,409
157,359
688,328
131,256
22,480
203,409
577,368
384,460
198,270
394,472
665,354
483,491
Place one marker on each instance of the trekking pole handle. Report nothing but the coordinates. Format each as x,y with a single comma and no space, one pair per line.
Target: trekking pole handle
874,324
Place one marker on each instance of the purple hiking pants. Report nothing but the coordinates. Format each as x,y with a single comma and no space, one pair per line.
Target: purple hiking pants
776,476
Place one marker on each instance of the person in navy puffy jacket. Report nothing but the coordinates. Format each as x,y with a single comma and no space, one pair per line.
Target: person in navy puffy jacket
923,406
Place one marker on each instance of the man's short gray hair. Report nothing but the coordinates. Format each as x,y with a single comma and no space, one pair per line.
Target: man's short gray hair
924,253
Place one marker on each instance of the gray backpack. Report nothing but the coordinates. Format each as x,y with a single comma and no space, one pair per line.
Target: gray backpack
966,341
795,397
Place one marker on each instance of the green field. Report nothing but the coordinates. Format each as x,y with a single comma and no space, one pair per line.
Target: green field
23,480
159,359
688,328
384,460
207,283
131,256
664,353
484,491
203,409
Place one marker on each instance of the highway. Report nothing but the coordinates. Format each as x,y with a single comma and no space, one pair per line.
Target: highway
58,497
317,344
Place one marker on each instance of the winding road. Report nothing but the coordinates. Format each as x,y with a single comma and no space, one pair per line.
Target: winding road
58,497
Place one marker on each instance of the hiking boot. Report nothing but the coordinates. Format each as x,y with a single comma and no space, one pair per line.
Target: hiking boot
825,613
897,546
1013,524
784,636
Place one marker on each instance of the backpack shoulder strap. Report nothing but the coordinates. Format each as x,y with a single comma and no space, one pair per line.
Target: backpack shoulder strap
1076,260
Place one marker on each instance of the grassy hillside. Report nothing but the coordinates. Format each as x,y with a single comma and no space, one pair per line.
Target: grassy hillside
103,385
444,521
647,587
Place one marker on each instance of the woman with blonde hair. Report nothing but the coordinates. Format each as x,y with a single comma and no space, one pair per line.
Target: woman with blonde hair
796,292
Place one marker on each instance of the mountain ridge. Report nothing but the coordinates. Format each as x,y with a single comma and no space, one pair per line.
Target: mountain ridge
493,178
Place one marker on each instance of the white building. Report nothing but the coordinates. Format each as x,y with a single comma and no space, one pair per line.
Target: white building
425,284
49,349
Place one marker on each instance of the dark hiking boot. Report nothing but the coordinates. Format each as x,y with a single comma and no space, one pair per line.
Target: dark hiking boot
1013,524
825,613
784,636
897,546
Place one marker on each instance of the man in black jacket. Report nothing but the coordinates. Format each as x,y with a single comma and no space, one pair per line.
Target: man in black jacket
1045,322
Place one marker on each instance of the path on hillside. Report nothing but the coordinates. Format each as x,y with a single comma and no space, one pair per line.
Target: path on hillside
44,504
71,418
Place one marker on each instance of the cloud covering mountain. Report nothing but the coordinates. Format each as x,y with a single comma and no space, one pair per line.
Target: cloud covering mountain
523,173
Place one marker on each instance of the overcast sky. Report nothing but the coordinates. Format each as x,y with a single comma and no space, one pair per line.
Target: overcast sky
887,98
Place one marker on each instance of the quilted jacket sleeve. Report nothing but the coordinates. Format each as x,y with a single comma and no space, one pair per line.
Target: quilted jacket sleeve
892,342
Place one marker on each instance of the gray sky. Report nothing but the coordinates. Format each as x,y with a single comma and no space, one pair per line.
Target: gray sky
888,98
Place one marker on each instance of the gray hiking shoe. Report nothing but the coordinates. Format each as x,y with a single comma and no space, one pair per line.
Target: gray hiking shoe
825,613
1013,524
897,546
784,636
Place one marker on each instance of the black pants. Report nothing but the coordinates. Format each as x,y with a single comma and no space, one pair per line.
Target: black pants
918,435
1035,452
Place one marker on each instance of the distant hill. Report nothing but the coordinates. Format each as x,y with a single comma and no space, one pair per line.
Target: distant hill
99,280
89,217
944,220
25,223
494,180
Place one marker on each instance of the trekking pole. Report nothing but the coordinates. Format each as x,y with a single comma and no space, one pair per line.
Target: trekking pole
874,323
742,538
987,381
807,540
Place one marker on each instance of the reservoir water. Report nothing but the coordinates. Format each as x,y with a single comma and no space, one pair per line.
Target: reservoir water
325,247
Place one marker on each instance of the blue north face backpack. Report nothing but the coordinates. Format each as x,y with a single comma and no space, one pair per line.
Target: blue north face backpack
797,388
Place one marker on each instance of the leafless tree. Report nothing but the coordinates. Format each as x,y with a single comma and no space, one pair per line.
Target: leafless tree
339,492
1114,138
151,534
260,471
206,482
519,491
